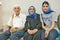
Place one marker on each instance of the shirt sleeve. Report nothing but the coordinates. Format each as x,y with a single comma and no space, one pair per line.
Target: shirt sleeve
9,22
54,17
23,20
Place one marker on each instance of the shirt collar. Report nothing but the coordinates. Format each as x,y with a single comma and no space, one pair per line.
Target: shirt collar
16,16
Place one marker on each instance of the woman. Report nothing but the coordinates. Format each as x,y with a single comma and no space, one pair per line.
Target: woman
59,21
32,25
59,27
48,22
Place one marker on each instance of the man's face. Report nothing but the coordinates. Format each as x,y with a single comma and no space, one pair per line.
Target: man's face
17,9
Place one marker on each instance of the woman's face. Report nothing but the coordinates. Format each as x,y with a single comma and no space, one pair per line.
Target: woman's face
31,10
45,7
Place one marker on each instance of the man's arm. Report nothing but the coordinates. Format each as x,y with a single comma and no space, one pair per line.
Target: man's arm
21,28
6,27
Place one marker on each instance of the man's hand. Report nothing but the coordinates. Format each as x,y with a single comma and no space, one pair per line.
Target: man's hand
21,28
5,28
13,30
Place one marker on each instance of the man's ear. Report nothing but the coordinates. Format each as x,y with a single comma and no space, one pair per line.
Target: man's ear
59,21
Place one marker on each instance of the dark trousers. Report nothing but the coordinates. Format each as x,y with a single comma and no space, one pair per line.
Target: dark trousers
52,35
36,36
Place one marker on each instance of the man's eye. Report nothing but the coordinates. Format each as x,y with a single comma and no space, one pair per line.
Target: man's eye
14,8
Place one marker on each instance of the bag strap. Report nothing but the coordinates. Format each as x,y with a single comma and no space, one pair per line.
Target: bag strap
43,20
41,17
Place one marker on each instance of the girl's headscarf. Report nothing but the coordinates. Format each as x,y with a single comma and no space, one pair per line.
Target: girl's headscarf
49,10
34,15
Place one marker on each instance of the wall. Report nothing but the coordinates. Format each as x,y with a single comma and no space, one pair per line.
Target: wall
7,5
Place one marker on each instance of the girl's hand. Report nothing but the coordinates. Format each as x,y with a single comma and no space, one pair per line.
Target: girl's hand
46,33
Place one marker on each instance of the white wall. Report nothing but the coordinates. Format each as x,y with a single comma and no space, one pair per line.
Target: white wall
7,5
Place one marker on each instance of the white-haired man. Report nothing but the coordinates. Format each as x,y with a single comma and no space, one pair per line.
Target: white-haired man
15,26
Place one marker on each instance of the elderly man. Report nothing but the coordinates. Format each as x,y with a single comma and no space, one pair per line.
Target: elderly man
15,26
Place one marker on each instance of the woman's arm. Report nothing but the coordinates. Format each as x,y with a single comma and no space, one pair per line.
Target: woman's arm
59,21
27,25
38,27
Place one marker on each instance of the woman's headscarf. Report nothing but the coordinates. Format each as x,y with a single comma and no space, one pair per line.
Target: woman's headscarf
34,15
49,10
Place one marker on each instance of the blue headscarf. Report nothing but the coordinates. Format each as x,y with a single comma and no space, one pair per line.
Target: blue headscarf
49,11
34,15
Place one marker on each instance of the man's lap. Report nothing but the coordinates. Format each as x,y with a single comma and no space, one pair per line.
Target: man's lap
7,34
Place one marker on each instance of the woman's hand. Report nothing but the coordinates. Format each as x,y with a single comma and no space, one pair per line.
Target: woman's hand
29,31
32,31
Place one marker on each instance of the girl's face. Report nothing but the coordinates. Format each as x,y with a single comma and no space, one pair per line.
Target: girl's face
31,10
45,7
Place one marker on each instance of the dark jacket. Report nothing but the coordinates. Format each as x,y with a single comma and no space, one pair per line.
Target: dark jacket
32,23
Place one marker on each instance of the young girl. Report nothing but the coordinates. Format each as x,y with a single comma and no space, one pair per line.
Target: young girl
48,22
